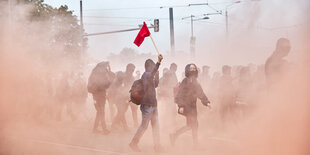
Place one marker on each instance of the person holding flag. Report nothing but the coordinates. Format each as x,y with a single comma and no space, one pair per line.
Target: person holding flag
148,107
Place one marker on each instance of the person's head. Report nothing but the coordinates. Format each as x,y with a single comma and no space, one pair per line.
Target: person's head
173,67
165,70
149,65
245,71
191,70
130,68
205,69
226,70
103,66
138,73
283,47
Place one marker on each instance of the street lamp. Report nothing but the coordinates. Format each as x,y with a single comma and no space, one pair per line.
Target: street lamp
193,39
226,15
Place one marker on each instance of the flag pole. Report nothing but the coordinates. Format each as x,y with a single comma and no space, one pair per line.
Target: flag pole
154,44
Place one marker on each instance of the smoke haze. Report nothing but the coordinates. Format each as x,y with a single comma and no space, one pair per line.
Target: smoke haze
276,122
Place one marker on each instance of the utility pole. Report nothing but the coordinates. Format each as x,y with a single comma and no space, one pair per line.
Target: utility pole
226,14
193,40
226,19
82,27
192,29
171,31
81,15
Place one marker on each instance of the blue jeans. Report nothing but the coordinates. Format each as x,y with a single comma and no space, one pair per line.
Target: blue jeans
149,113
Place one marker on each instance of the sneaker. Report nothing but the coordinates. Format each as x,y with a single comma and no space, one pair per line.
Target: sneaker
172,139
134,147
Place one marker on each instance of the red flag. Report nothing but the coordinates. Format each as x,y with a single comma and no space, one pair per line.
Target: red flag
144,32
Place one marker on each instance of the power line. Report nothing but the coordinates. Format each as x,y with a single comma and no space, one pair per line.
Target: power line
124,17
154,7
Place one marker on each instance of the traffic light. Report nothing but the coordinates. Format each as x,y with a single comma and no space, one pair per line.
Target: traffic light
156,25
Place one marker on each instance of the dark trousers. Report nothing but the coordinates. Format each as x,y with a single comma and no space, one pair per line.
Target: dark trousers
120,119
191,124
134,112
100,115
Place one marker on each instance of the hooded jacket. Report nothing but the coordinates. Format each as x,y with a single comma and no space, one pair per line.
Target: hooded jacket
150,82
188,93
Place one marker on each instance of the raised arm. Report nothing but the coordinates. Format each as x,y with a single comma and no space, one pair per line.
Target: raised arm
155,69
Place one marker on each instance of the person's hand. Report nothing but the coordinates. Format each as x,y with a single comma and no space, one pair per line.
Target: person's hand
181,110
160,58
209,105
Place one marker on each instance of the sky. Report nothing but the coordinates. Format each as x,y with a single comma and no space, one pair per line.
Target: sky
250,21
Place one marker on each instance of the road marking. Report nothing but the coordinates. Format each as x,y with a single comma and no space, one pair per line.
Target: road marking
78,147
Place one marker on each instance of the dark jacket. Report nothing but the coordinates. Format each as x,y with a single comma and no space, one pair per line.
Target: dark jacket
100,80
150,82
187,96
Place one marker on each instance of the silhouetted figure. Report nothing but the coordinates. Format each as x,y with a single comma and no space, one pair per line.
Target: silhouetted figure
205,79
227,94
118,96
245,85
161,90
79,93
165,92
63,95
276,65
186,99
98,82
128,81
148,105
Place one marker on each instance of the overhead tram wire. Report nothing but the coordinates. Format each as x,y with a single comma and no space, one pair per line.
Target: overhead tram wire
119,17
152,7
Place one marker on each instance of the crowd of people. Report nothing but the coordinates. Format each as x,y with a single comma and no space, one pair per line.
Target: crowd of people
233,92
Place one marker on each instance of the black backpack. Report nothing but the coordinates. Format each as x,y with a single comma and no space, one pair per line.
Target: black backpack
136,92
99,78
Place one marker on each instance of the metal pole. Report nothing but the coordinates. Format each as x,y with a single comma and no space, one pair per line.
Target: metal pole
226,18
82,27
192,25
171,31
81,15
